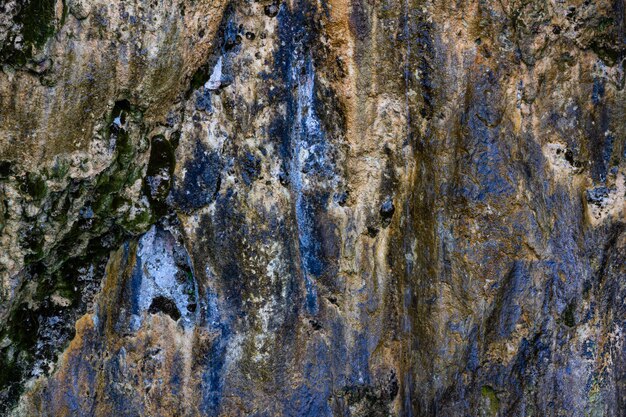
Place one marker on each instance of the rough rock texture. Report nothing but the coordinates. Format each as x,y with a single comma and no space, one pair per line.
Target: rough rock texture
298,208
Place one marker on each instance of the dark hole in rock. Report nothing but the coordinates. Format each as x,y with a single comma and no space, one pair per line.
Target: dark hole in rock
159,173
341,198
315,324
229,44
117,128
569,157
386,211
192,307
571,12
250,36
121,105
164,305
372,231
271,10
6,169
283,178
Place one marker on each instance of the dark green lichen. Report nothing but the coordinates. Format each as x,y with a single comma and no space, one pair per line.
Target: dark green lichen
490,396
38,23
39,328
60,274
18,339
569,315
34,185
158,180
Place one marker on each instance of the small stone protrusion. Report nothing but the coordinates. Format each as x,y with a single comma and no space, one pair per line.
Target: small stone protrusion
80,9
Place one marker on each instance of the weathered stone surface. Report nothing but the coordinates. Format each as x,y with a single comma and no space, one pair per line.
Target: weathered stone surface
347,208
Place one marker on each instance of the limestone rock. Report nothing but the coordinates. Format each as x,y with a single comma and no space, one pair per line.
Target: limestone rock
341,208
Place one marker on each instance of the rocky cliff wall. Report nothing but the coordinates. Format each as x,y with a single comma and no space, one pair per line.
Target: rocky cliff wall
346,208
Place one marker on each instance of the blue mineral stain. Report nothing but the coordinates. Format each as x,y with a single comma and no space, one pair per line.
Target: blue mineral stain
121,401
409,389
176,378
215,358
360,361
306,130
309,164
161,270
71,401
490,173
203,100
201,182
250,168
473,354
510,310
607,151
212,378
307,167
598,91
311,398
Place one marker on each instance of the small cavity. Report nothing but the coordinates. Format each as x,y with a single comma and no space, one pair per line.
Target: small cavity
386,211
271,10
161,304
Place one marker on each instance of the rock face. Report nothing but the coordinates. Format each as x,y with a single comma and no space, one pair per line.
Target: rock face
338,208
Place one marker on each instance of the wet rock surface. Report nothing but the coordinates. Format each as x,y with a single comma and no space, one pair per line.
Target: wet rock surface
346,208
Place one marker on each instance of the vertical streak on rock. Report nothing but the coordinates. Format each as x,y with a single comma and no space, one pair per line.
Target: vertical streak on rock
306,132
405,287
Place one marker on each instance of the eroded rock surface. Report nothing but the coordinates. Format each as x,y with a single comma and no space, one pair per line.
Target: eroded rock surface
346,208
